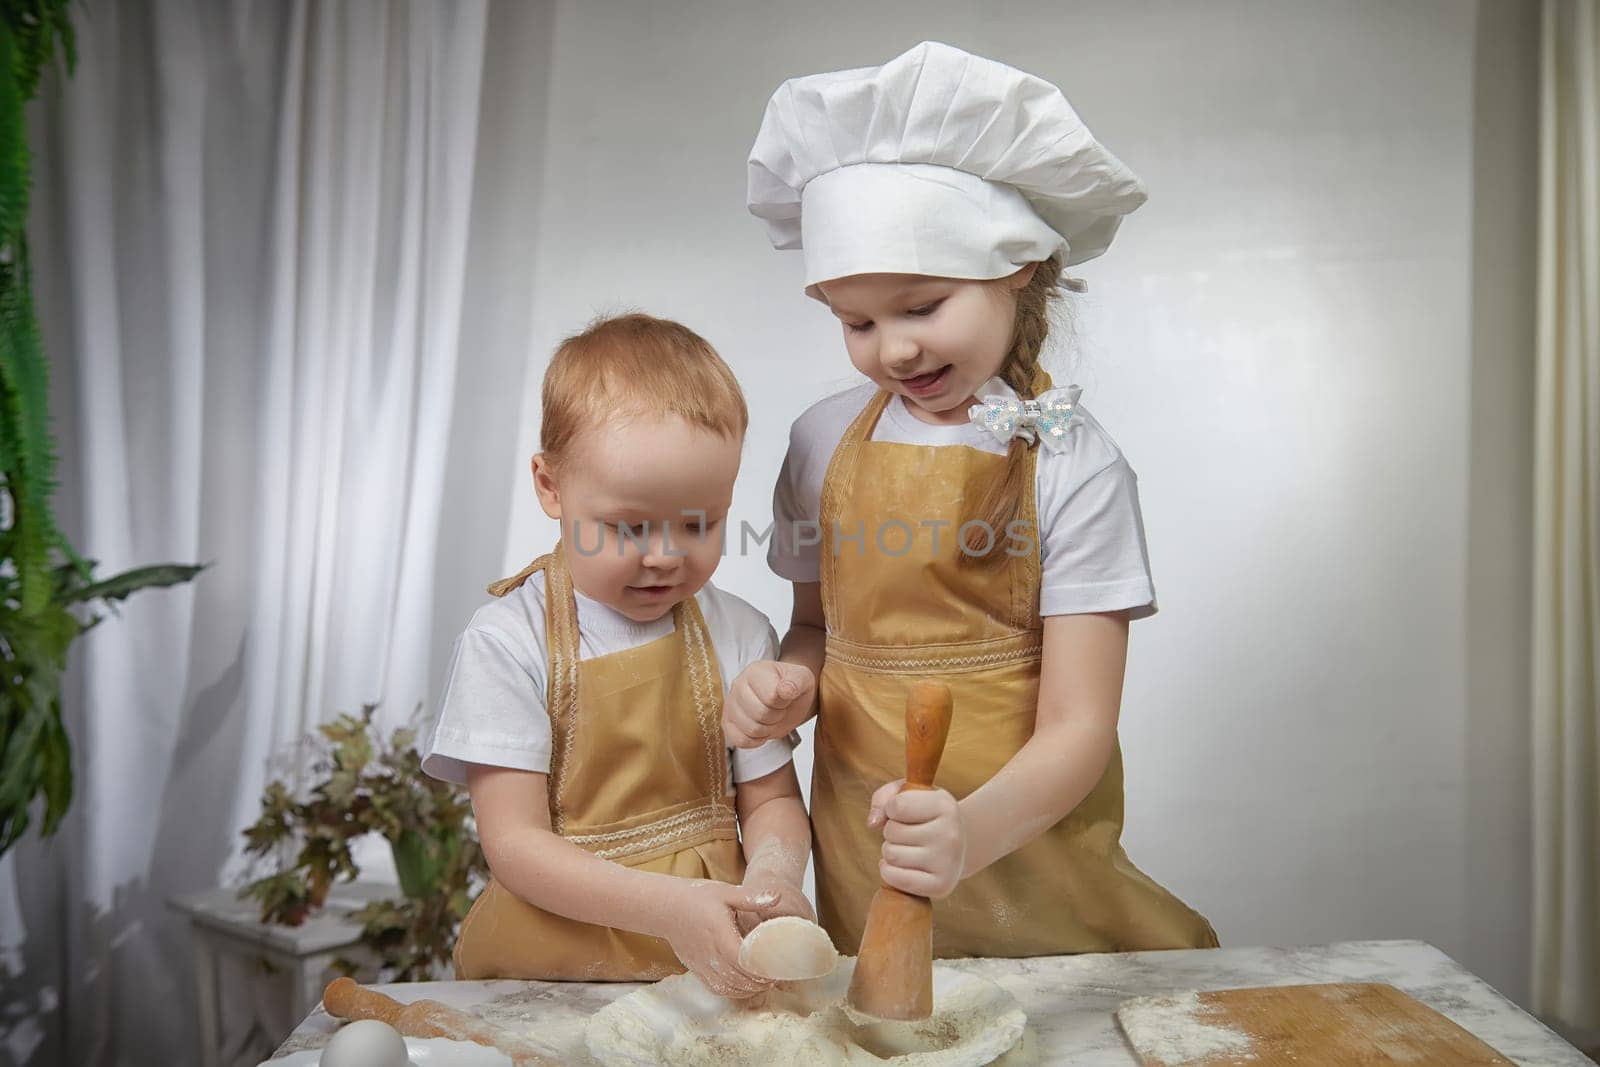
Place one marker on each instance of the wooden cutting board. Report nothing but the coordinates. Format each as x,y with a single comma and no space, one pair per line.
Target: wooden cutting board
1349,1023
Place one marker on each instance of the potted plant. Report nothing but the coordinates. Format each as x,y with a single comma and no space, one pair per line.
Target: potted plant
362,783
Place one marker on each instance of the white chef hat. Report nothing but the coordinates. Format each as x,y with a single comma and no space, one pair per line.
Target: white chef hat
939,162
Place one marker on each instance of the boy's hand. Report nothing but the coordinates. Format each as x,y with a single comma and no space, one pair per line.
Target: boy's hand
768,699
785,896
702,929
924,839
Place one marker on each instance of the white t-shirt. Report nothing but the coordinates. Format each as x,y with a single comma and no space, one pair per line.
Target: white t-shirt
1091,536
494,707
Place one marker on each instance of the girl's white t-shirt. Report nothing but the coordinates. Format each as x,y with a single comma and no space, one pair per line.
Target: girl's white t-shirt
494,707
1091,535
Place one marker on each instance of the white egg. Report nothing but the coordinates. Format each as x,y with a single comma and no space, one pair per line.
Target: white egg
365,1043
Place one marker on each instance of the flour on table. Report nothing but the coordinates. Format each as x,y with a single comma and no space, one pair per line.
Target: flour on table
554,1019
805,1024
1170,1029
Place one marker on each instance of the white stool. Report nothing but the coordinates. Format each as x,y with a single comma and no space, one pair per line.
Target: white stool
219,922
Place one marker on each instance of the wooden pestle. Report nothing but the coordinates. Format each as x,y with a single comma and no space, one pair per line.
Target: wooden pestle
894,969
345,998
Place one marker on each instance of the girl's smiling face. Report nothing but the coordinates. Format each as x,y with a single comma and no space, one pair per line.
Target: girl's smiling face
933,341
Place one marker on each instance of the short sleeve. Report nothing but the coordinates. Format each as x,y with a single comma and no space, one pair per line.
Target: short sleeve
1092,553
795,553
492,712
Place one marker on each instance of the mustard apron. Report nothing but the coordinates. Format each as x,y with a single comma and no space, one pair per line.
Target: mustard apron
894,616
638,771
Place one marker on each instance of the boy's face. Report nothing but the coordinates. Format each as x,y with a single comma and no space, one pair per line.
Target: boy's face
643,504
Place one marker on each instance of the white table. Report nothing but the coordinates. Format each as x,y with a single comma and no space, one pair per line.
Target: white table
1070,1000
220,923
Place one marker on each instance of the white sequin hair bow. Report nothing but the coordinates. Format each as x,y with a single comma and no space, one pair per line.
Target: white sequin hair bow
1047,418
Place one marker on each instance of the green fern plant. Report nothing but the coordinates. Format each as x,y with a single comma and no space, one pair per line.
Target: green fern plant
48,592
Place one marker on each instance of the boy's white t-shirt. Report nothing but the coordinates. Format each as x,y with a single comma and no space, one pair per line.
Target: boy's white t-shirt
494,706
1091,545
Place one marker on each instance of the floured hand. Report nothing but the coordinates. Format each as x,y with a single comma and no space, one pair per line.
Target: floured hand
779,895
704,933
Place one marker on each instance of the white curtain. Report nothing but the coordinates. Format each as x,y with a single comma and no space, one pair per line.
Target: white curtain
273,278
1566,612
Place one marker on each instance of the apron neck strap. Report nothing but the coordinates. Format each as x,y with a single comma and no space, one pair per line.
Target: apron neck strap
561,626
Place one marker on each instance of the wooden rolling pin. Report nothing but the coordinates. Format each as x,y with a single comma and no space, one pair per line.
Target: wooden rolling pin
347,999
894,970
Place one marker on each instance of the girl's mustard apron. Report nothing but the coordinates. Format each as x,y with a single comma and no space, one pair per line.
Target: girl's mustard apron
638,773
898,608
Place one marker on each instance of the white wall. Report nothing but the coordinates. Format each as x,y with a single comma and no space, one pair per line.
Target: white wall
1285,343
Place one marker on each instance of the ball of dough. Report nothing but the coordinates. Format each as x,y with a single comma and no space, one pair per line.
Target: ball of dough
365,1043
788,949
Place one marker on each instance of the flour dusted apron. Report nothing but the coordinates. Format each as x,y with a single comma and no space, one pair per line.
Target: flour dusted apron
638,773
895,617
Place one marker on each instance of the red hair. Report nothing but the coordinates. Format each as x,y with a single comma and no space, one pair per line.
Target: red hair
639,366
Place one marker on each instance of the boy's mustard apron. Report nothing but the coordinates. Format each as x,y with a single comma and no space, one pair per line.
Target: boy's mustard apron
894,616
638,770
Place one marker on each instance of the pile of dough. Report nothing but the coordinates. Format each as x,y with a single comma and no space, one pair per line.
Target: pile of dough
788,949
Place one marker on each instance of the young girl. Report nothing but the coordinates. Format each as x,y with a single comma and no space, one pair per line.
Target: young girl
975,523
583,706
